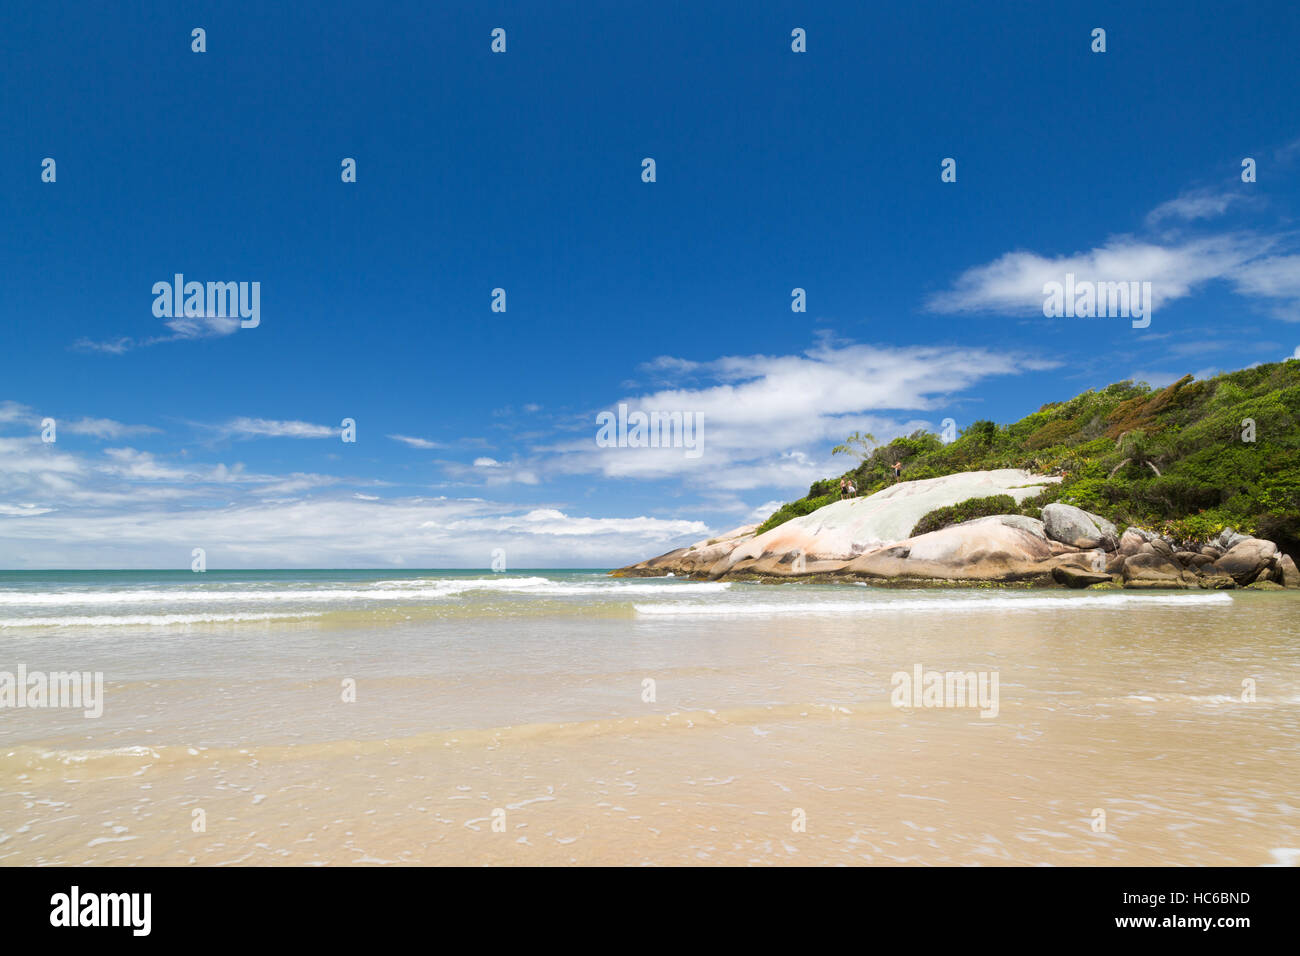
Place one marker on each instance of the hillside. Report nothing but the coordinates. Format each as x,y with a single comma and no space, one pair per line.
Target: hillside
1181,460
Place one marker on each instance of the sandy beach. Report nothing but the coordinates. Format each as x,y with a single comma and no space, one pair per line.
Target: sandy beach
507,719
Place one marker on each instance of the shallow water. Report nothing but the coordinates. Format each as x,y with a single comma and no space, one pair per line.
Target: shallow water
525,694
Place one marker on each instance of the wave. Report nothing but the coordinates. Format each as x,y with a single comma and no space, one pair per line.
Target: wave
953,604
145,620
35,757
380,591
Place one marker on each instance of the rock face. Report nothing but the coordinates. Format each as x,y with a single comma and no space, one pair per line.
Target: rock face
1078,528
695,559
866,539
845,529
986,549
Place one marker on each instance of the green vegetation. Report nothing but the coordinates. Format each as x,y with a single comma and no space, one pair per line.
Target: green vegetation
1178,459
965,511
859,444
797,509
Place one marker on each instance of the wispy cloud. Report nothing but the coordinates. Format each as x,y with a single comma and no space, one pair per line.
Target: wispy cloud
14,412
105,428
271,428
1179,254
1196,204
102,428
185,328
1013,282
415,442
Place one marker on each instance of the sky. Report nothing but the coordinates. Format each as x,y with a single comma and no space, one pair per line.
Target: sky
476,431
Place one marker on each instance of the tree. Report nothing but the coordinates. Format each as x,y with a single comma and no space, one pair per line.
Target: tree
859,444
1138,449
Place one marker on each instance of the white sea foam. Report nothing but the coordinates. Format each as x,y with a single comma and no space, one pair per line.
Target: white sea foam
962,604
390,591
142,620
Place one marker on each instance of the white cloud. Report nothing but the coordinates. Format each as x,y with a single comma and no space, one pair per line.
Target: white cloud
769,421
1178,260
103,428
201,327
415,442
1195,204
126,507
14,412
184,328
1274,277
764,511
106,428
22,510
270,428
344,532
486,463
1157,379
1014,282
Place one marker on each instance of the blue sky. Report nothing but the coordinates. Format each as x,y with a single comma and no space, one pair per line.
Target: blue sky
522,171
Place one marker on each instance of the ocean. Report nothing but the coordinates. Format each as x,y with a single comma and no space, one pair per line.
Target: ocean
543,717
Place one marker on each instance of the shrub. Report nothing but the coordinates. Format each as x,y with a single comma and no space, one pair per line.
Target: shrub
795,509
965,511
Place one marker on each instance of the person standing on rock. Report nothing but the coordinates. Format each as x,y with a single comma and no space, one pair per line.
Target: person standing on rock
844,489
853,489
898,471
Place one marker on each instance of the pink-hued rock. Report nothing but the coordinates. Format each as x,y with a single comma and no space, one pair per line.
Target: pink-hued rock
694,559
986,549
845,529
867,539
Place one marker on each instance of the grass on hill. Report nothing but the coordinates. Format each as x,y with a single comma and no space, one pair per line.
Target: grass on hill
1179,460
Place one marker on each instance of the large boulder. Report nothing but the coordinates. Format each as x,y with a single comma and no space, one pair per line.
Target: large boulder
1131,541
1228,539
1212,579
1160,546
1078,571
1247,559
1155,571
1078,528
1290,574
985,549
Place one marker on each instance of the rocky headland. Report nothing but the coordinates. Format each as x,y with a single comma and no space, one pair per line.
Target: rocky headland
871,539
